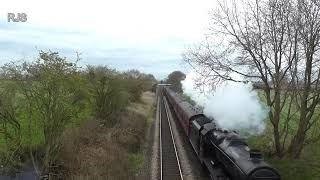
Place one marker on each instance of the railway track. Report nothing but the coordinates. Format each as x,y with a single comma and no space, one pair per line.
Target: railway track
169,161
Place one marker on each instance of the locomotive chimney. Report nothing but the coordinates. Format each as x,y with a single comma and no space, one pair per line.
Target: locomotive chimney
255,155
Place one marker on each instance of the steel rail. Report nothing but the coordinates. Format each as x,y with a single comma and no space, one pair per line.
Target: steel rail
174,142
169,160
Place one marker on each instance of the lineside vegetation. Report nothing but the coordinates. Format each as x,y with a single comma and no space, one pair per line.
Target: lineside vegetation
42,99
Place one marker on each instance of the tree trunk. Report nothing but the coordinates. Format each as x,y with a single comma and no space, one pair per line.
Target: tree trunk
296,144
276,136
276,120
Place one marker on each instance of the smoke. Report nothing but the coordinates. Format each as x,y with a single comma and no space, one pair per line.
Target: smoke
234,106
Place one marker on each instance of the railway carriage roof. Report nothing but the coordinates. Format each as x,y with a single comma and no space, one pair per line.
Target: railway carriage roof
189,109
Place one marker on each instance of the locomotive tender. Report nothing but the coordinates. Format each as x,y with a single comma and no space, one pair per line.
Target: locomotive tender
223,153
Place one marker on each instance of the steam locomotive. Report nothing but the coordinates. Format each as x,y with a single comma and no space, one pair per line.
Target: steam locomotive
223,153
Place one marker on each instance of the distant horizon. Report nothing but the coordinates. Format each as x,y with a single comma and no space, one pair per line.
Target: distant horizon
143,35
83,63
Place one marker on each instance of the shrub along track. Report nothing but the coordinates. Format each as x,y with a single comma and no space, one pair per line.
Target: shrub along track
94,152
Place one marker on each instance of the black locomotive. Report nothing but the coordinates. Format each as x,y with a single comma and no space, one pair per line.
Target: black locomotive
224,153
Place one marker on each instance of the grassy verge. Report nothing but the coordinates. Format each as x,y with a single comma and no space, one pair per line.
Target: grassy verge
150,117
297,169
307,167
136,161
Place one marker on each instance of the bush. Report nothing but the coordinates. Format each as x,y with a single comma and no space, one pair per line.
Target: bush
137,82
89,153
131,130
10,131
135,90
51,96
40,99
108,94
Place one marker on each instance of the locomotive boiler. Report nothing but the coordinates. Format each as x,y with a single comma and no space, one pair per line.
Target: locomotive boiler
224,153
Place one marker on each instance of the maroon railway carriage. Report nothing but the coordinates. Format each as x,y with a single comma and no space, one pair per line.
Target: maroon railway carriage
185,112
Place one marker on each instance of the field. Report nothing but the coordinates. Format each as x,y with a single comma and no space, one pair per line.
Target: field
37,137
306,167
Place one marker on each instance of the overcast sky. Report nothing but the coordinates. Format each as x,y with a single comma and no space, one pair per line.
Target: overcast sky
148,35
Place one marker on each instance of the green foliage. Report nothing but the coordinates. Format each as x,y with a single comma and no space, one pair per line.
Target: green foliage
40,99
111,91
10,129
134,88
293,169
150,115
136,161
137,82
108,94
51,97
307,167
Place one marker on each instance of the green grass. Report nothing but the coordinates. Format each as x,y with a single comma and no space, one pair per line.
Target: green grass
296,169
136,161
37,135
150,115
305,168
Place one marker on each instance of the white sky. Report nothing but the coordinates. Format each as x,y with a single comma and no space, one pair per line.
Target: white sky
147,35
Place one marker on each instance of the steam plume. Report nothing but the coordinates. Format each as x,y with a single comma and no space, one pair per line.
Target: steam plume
234,106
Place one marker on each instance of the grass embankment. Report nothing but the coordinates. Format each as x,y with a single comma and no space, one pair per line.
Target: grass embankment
137,159
94,152
305,168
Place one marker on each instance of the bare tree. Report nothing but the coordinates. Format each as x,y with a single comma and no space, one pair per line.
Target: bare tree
309,98
274,42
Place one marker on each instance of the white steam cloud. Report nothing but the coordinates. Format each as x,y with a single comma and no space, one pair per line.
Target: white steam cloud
234,106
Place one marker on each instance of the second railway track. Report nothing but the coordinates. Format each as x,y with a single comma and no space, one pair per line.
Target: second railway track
169,161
